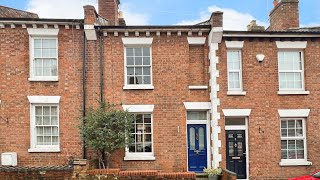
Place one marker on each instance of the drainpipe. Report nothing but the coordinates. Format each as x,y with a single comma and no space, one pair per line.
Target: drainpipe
101,65
84,150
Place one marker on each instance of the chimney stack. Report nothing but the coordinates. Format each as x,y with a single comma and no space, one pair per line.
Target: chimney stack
108,9
216,19
285,15
253,26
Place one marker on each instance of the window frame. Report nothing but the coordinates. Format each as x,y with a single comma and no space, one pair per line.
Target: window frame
43,101
235,91
140,156
295,162
42,34
137,86
302,71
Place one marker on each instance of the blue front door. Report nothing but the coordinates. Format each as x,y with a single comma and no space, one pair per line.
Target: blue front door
197,147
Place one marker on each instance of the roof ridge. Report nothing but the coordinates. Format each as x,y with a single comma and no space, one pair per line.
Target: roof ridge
18,10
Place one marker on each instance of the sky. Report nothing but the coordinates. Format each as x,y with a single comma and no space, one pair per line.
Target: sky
237,13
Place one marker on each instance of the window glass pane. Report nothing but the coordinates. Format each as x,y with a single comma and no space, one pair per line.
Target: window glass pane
139,80
197,115
130,71
54,111
138,52
39,120
146,51
147,118
284,144
37,43
291,154
201,138
138,71
235,121
39,131
146,71
192,139
54,120
131,80
284,154
46,110
138,60
147,147
40,140
130,60
146,80
129,51
240,149
146,60
231,149
37,53
48,43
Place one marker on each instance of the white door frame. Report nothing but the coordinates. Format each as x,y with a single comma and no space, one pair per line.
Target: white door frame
207,123
245,128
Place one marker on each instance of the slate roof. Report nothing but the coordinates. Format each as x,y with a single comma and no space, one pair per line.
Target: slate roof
6,12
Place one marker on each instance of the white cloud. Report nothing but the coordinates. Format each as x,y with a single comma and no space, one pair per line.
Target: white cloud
74,9
232,19
133,18
59,8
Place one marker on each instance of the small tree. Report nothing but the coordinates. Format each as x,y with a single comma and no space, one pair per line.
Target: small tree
106,130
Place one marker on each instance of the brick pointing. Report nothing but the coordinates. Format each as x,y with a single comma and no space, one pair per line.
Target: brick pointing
285,15
15,87
260,81
171,81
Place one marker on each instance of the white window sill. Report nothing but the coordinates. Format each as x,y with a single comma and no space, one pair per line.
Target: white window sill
44,150
295,163
293,92
139,157
236,93
198,87
127,87
54,78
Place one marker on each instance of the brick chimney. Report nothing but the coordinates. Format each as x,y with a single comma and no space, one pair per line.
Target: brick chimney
253,26
285,15
108,9
216,19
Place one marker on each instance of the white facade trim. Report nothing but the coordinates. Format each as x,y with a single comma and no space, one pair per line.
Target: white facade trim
295,92
294,112
44,99
236,93
138,108
137,41
295,162
236,112
44,78
215,38
196,40
234,44
291,44
139,157
197,105
145,86
52,149
43,32
198,87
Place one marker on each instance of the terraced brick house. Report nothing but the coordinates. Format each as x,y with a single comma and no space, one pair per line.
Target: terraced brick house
202,96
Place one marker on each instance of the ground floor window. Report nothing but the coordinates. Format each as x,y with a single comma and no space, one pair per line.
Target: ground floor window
142,134
293,139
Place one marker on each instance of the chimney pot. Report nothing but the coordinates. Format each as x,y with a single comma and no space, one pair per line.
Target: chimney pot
275,3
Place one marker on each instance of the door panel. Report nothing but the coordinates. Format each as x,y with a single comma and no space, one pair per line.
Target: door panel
197,147
236,153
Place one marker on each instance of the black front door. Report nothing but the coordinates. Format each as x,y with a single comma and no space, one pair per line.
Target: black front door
236,153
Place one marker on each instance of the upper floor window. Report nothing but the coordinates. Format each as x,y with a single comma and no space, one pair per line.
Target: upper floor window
234,67
234,70
43,54
291,71
138,63
291,67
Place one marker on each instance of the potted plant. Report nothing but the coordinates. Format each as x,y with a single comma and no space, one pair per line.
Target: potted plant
213,173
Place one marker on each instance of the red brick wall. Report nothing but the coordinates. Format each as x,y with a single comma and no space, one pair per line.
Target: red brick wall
260,81
197,66
15,87
170,80
285,15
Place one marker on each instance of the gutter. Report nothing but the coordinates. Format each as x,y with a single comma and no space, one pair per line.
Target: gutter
84,150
